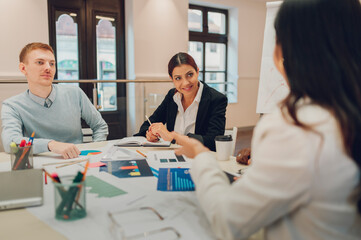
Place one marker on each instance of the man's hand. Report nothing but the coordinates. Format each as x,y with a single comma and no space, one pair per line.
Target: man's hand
190,146
67,150
244,156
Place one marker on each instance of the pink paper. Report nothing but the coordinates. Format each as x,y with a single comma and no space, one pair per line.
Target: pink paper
96,164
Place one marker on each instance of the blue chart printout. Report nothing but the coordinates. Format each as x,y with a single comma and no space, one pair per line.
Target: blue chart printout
127,168
175,179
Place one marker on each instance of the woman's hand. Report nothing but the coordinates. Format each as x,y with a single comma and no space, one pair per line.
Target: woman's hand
190,146
244,156
151,137
160,130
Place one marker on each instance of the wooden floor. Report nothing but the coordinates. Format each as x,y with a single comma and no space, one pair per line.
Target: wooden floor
244,137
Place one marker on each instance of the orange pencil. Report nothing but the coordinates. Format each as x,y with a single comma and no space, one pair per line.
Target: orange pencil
21,158
141,153
85,170
49,175
80,188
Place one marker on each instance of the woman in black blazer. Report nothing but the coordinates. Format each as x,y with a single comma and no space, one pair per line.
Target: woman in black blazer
191,108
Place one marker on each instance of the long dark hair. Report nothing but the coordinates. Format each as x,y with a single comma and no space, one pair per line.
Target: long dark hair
179,59
321,45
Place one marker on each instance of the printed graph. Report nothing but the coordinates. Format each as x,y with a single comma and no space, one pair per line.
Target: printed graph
171,160
165,157
89,152
127,168
175,179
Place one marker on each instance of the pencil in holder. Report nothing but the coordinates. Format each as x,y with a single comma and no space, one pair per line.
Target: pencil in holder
21,157
70,199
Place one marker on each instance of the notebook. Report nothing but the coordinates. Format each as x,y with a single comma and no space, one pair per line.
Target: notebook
140,141
21,188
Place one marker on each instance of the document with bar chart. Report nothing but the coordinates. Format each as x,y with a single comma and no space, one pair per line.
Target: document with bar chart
127,168
175,179
166,159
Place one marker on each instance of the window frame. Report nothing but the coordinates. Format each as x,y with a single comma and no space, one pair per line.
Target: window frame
206,37
86,11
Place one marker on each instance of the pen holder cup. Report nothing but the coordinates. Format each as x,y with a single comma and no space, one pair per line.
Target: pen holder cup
69,199
22,158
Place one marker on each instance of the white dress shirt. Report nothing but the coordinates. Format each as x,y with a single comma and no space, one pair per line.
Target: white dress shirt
185,121
298,186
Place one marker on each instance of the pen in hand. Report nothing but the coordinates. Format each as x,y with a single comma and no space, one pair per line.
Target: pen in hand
150,123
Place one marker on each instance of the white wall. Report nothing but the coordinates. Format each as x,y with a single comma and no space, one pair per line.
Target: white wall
21,22
159,29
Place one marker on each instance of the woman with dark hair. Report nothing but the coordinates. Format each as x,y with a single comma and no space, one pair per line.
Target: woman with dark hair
191,108
304,182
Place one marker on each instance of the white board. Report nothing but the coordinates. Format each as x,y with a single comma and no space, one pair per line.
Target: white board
272,87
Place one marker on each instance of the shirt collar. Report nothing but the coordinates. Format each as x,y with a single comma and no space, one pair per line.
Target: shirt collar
199,93
47,102
178,96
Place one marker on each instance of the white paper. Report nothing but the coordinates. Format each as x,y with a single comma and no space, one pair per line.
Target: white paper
119,153
180,210
154,160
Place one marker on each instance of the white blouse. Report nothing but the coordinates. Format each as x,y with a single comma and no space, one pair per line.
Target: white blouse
297,187
185,121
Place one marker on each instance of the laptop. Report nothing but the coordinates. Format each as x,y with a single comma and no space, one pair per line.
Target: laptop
21,188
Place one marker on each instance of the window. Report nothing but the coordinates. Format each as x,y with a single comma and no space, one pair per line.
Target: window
208,28
106,62
66,28
88,37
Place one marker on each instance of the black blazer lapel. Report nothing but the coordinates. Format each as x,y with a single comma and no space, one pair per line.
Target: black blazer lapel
171,115
203,109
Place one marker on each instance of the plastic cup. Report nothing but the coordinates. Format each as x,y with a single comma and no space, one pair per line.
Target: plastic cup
22,157
69,199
